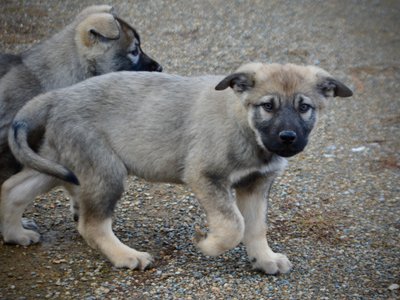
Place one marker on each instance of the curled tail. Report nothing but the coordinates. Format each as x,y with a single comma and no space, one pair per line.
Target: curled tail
32,116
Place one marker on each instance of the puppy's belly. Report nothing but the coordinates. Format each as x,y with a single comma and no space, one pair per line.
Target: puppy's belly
158,171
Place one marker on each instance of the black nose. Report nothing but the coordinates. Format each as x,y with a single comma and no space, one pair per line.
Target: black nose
287,136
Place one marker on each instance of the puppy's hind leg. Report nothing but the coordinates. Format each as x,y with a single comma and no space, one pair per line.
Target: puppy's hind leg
252,202
16,194
98,234
97,200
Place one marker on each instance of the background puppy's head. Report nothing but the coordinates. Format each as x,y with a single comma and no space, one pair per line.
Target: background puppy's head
106,43
283,102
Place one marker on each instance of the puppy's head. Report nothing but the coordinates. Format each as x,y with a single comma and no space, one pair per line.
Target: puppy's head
107,43
283,102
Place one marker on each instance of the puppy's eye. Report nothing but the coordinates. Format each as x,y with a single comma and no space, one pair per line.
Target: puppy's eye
268,107
135,52
303,108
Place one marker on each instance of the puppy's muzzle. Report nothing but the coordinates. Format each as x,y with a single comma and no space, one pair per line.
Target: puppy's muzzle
286,143
287,137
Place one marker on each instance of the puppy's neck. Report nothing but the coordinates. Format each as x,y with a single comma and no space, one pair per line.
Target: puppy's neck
54,62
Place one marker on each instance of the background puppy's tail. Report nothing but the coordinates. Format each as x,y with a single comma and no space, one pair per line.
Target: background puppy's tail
32,116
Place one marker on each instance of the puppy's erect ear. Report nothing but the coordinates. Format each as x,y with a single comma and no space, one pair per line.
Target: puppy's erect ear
330,87
98,27
239,82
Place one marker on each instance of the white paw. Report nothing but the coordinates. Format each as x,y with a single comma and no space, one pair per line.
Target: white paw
21,236
212,244
276,263
132,259
216,243
209,246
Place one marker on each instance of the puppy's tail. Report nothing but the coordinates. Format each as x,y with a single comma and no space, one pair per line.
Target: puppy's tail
33,116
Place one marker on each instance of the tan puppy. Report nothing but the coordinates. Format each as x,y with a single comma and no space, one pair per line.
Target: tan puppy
213,133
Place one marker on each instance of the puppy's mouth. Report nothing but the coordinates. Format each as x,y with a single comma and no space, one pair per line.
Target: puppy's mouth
285,150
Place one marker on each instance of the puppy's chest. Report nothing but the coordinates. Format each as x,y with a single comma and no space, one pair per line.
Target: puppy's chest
243,177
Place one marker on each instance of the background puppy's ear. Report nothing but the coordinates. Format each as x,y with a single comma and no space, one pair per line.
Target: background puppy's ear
330,87
98,26
239,82
95,9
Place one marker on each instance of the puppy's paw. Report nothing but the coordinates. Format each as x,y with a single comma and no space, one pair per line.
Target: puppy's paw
132,259
23,237
29,224
213,245
203,243
208,245
276,263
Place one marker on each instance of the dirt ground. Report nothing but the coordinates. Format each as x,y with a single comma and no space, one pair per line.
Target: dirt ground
336,210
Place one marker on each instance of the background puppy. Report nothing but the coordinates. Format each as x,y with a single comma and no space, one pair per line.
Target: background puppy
95,43
212,133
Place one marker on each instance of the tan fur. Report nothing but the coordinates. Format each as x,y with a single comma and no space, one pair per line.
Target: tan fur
213,133
95,9
104,24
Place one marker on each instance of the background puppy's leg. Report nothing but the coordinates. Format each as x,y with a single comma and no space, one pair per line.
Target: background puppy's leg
74,206
73,192
252,202
16,194
226,224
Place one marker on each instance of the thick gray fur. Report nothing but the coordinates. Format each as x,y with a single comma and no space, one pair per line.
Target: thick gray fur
175,129
95,43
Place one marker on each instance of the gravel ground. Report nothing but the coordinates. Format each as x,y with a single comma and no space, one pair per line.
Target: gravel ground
336,210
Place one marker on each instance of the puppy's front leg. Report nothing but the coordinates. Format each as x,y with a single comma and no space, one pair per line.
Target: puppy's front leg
225,223
252,202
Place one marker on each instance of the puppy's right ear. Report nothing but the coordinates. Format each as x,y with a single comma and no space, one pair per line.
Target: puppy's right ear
239,82
98,27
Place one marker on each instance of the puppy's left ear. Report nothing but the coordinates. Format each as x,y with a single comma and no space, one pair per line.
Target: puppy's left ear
330,87
239,82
